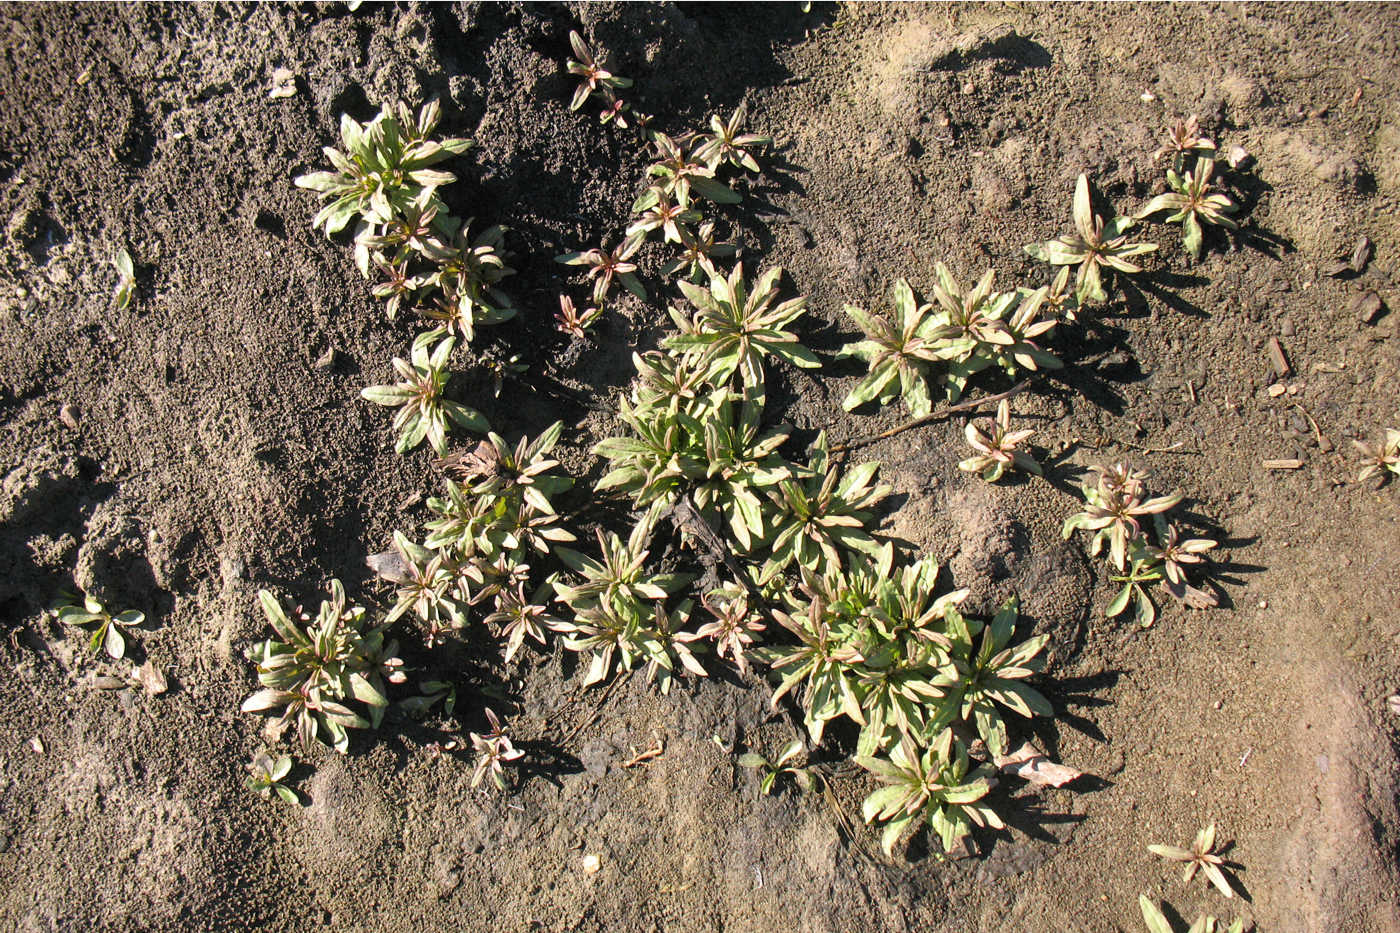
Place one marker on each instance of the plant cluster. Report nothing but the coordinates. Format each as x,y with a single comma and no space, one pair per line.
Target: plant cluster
969,331
689,172
1144,546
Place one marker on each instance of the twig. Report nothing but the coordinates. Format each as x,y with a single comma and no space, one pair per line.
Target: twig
646,755
939,415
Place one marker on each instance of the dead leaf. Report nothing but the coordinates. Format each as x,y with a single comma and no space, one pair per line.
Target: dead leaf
1030,764
108,682
151,679
389,565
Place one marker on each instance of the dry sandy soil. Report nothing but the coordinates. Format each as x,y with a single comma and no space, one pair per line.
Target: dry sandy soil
219,450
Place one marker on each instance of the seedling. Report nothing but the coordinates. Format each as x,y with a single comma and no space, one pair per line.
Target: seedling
312,669
1201,856
938,787
772,770
737,624
423,412
996,445
1183,138
126,278
1157,921
1380,458
734,327
266,775
493,751
698,252
594,79
606,266
726,144
1193,201
681,174
572,322
107,636
660,212
520,615
1093,247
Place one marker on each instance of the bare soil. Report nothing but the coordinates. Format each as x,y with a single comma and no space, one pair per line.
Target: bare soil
221,447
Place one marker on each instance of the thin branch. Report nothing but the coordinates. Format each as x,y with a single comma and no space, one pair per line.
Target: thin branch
945,412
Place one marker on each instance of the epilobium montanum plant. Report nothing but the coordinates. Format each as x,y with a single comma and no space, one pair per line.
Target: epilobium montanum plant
1117,503
736,625
1157,921
266,775
573,322
1093,247
385,167
734,327
595,79
107,636
1380,458
772,770
1201,856
423,412
997,446
608,266
821,513
937,786
493,751
314,668
898,348
1183,138
727,144
1192,202
977,328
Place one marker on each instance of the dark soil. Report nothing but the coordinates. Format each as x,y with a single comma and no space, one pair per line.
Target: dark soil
220,450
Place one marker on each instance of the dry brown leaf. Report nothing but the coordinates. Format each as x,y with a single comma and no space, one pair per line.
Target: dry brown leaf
152,679
1030,764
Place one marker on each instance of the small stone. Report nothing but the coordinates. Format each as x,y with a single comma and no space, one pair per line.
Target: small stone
284,84
1366,307
592,863
328,359
68,414
1361,255
1285,328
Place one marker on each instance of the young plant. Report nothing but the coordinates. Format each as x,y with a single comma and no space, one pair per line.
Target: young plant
1192,202
467,271
1201,856
520,615
266,775
898,349
772,770
996,445
605,267
385,167
726,144
1093,247
937,787
126,279
1380,458
659,211
570,321
619,575
313,669
1183,138
1116,503
594,79
1157,921
698,252
107,636
423,412
736,624
821,513
734,327
493,751
741,462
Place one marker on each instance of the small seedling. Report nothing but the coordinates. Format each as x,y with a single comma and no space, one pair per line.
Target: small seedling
493,751
726,144
126,278
605,267
772,770
1380,458
1193,201
107,636
266,775
1116,503
1184,138
572,322
736,626
698,252
423,412
1157,921
996,445
1093,247
1200,856
594,79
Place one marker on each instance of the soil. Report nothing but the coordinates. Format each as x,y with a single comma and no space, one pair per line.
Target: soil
221,447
